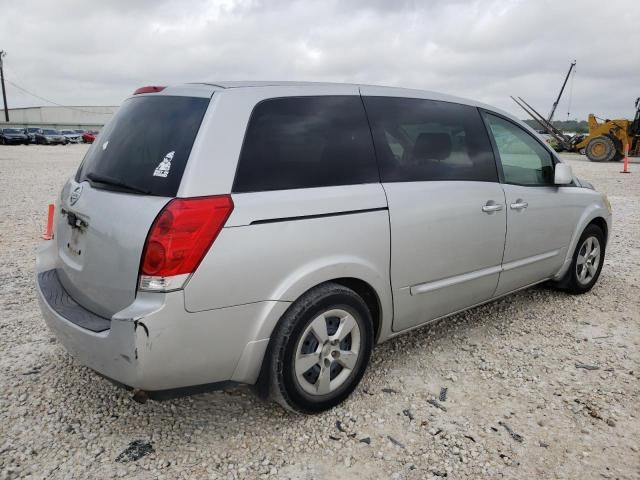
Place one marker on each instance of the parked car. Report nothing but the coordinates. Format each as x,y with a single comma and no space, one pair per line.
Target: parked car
89,136
31,133
72,136
13,136
278,232
49,136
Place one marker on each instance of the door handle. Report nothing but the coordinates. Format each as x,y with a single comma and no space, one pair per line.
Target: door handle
491,207
519,205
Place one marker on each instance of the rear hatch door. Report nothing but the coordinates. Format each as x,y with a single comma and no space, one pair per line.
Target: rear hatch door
127,176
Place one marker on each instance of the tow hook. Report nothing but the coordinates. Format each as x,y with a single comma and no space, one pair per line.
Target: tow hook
139,396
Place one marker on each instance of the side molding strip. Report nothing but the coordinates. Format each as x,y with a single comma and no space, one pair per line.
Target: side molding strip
528,261
320,215
466,277
447,282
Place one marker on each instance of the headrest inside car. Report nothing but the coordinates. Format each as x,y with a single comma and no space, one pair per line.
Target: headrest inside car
432,146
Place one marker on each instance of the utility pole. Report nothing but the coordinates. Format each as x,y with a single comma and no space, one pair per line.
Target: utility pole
4,92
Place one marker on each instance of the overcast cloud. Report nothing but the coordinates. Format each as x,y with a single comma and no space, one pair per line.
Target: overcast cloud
97,53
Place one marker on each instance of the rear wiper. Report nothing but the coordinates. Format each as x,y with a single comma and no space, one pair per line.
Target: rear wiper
115,183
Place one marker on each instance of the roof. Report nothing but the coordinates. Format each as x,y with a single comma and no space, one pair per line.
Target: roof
372,89
272,83
375,90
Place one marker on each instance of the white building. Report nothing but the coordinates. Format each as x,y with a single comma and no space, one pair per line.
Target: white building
86,118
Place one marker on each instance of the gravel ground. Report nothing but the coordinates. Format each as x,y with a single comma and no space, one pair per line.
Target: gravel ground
516,405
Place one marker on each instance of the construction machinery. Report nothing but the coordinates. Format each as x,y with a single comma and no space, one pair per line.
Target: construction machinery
606,139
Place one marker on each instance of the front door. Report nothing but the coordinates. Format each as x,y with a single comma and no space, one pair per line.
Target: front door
540,215
446,206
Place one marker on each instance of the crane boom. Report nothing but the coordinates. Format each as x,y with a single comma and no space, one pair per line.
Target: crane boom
564,84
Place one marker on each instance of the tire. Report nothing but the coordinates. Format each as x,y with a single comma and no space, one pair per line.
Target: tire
619,155
306,387
601,149
575,281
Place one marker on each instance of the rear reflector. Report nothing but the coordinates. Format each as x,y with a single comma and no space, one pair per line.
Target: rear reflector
179,238
149,89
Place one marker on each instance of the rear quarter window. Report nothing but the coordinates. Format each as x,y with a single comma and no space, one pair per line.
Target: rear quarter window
305,142
147,144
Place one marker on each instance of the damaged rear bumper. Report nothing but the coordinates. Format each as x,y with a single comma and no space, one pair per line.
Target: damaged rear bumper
155,345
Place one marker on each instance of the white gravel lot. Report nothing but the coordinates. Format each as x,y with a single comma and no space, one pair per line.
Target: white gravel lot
509,365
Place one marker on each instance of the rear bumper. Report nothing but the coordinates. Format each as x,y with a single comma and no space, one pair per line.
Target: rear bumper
155,345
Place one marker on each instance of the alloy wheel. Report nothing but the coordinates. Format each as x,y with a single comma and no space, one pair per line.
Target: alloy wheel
327,352
588,260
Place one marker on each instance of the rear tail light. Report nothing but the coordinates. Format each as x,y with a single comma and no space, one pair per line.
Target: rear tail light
149,89
179,238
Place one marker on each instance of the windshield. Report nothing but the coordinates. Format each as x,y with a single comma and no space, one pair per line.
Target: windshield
146,145
51,132
13,130
68,132
32,130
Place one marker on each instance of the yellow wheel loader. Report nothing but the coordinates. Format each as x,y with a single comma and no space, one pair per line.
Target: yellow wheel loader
606,140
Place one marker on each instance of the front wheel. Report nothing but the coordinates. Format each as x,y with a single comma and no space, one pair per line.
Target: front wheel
320,349
587,262
601,149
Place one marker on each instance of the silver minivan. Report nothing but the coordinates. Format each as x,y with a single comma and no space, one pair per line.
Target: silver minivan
272,233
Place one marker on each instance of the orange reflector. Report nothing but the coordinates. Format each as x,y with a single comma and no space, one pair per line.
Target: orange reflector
48,233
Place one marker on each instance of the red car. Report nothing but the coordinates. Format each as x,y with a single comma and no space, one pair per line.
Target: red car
89,137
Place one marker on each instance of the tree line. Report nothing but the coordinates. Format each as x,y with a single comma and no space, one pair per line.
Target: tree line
574,126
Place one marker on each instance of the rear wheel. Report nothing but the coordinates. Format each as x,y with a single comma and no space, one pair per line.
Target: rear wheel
320,349
601,149
587,262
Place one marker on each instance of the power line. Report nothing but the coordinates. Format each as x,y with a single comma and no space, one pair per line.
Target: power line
55,103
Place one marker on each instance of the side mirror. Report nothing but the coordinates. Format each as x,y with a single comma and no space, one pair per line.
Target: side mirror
563,174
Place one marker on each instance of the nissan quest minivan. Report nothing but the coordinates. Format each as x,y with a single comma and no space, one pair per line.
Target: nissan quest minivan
272,233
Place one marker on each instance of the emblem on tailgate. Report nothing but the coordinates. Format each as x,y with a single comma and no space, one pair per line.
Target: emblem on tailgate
75,195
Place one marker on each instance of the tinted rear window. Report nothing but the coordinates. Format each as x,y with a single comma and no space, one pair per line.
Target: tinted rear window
304,142
421,140
147,143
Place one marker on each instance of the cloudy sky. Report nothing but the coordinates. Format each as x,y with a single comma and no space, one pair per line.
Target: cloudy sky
97,53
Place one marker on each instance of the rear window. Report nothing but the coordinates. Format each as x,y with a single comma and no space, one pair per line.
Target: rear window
145,146
305,142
